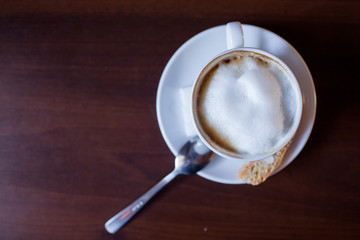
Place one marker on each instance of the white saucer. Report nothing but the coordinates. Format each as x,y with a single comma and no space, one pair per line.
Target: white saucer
173,95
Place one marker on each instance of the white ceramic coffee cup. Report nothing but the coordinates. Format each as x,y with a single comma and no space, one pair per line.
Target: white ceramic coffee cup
235,42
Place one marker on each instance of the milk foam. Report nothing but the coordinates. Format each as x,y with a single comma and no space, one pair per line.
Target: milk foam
248,105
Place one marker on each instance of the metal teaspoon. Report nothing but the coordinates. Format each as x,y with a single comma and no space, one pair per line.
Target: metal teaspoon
193,157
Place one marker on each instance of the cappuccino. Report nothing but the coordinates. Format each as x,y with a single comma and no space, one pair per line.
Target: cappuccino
245,103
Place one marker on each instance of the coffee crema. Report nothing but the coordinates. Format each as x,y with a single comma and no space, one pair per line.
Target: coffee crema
246,103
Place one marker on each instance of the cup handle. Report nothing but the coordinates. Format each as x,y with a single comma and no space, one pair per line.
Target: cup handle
234,35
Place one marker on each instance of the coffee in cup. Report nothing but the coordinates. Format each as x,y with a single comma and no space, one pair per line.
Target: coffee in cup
246,104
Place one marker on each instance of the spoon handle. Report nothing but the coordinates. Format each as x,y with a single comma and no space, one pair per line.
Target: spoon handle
120,219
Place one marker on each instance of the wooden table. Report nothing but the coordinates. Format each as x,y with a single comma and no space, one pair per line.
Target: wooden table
79,138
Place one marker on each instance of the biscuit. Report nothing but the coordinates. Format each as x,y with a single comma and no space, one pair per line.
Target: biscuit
257,172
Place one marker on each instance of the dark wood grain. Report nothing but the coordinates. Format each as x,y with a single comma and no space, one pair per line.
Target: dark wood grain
79,138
